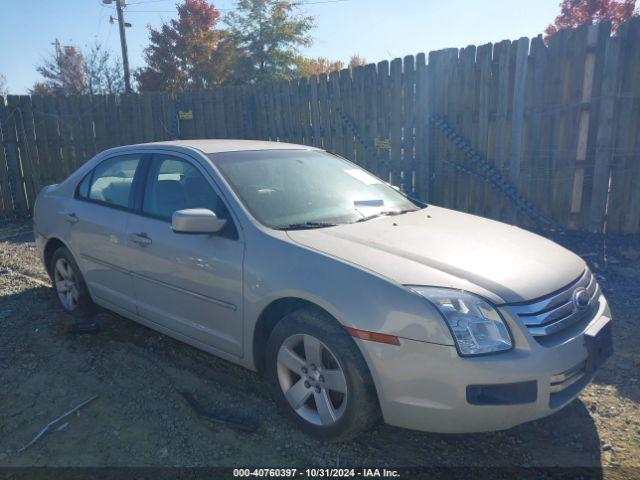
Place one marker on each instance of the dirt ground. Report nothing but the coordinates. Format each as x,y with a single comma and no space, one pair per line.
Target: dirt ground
140,419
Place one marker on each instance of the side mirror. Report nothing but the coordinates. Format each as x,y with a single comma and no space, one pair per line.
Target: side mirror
196,220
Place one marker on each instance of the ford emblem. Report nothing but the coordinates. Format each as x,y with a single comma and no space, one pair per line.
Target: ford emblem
580,298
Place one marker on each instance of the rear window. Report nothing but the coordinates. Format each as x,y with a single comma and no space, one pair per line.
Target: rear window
111,181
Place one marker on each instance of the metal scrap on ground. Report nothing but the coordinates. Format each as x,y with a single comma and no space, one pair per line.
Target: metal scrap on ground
53,422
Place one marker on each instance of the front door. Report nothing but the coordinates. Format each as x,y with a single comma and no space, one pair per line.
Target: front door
188,283
98,217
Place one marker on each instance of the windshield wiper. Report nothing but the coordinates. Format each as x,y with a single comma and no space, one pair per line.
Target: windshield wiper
305,225
387,213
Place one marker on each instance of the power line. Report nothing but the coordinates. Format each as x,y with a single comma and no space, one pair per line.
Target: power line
172,11
296,4
151,11
150,1
319,2
109,34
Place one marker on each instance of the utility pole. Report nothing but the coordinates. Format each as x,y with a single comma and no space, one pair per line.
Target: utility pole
123,44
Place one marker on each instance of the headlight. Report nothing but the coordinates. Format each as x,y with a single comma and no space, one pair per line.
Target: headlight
476,326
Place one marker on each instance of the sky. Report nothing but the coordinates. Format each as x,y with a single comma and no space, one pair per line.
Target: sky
374,29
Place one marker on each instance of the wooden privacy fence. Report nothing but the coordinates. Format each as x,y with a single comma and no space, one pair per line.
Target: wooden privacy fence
561,123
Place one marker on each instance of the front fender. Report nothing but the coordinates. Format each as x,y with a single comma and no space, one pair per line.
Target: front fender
277,268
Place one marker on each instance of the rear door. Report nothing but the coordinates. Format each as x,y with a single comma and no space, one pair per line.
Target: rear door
188,283
98,218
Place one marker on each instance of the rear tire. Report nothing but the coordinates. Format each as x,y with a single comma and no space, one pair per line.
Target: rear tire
329,391
68,282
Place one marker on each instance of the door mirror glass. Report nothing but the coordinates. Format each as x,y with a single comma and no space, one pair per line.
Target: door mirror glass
196,220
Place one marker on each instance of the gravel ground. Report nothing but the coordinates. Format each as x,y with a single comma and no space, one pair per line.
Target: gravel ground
140,419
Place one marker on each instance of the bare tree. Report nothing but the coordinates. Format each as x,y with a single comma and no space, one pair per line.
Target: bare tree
103,72
357,61
64,72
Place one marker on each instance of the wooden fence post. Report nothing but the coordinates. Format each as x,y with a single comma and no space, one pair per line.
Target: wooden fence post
6,196
517,117
408,120
382,124
483,85
583,126
14,172
395,130
359,115
604,141
422,133
315,111
631,222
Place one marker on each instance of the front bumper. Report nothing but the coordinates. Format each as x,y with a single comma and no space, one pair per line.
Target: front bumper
423,386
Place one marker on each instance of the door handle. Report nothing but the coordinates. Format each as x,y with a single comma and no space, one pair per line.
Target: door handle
141,239
71,218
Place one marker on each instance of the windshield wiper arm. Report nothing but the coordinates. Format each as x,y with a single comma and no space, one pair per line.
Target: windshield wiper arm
306,225
387,213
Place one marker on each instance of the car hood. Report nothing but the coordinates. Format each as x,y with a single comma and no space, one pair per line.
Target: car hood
440,247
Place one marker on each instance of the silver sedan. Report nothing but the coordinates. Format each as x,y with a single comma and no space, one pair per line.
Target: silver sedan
356,302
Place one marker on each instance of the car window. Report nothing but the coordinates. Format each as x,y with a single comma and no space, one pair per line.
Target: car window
83,189
174,184
111,181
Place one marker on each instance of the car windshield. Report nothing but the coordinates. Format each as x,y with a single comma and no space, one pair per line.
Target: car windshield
295,189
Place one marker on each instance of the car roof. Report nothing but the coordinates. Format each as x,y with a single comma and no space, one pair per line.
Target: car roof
228,145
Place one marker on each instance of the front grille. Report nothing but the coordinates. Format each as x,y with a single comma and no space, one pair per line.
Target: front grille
557,312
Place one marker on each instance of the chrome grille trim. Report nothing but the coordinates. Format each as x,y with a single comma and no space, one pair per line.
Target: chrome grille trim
531,320
559,298
557,312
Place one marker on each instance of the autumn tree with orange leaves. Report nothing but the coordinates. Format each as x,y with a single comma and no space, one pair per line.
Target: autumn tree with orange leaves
187,53
574,13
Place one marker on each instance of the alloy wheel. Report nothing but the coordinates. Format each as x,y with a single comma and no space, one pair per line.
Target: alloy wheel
312,379
65,281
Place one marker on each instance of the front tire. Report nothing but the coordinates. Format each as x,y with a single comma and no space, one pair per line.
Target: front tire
68,282
319,377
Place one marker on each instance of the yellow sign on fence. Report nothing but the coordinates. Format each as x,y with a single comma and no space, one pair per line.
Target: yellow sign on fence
185,115
383,143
